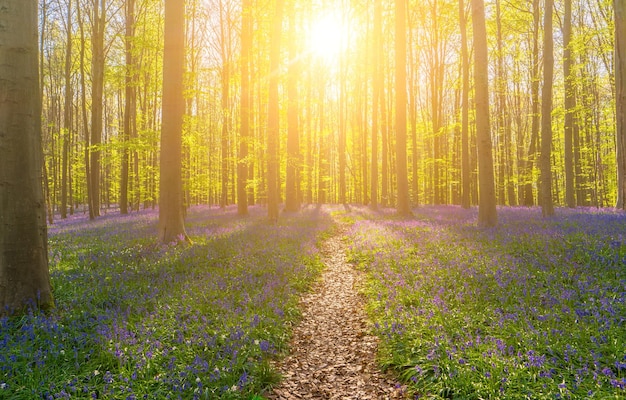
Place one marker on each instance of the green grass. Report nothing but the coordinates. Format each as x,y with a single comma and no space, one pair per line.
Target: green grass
136,319
534,309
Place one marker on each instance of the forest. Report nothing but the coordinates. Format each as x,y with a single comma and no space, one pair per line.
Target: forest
285,199
336,134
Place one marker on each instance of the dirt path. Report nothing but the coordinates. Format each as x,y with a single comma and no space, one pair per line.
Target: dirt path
332,354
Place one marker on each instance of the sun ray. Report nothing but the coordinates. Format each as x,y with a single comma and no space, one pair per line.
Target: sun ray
327,37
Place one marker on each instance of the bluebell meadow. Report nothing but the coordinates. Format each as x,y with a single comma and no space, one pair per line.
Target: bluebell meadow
532,309
136,319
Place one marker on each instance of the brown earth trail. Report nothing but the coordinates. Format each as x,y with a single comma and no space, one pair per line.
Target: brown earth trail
332,354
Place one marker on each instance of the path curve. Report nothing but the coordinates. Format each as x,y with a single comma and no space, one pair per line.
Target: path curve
332,354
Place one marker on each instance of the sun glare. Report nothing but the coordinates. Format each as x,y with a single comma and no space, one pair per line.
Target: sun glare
327,37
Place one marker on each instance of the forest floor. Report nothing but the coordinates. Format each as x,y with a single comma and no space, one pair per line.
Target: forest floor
332,351
329,298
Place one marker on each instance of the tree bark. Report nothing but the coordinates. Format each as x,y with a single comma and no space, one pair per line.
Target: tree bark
244,128
465,156
67,108
225,104
570,106
403,206
534,94
273,126
620,100
129,104
547,206
376,99
487,214
97,98
24,276
292,196
83,102
171,220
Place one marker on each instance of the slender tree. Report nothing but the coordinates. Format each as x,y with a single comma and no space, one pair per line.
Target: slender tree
171,221
226,56
24,276
273,127
129,103
620,91
403,206
465,156
97,100
547,206
84,114
570,105
534,95
376,99
292,196
487,214
67,111
244,135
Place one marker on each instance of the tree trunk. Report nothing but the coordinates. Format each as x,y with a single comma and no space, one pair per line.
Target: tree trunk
487,214
323,156
67,108
273,126
465,156
83,102
97,98
24,276
413,71
225,104
376,100
403,206
570,106
171,221
309,138
547,207
342,137
506,186
244,133
620,98
129,104
384,130
292,197
534,94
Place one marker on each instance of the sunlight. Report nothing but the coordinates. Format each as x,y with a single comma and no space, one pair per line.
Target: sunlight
327,38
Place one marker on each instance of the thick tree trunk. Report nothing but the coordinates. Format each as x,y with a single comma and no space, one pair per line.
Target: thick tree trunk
547,207
171,220
403,206
487,214
24,277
